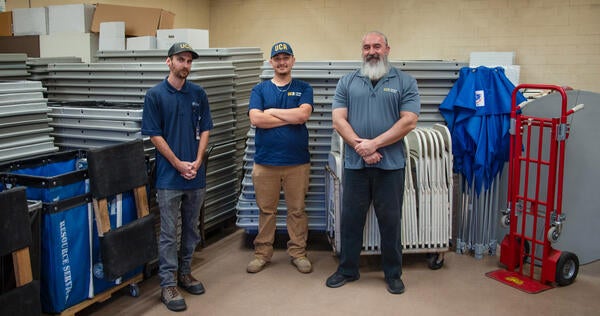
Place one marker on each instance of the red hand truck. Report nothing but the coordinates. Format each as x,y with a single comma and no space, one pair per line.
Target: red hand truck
534,212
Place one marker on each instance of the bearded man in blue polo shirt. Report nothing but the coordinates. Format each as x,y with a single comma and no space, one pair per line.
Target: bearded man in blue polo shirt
177,118
373,109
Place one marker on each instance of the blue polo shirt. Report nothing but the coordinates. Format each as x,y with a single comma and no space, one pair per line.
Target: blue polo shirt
175,115
284,145
373,110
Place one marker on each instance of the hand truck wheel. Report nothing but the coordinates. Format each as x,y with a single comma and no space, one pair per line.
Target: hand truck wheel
526,251
566,268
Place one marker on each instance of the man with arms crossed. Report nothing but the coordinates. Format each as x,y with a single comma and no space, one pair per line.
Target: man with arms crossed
279,109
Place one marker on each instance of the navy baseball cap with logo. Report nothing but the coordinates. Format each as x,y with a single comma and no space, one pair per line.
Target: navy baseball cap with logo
281,47
182,47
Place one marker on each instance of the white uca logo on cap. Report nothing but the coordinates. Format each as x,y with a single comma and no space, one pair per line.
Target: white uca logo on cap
280,46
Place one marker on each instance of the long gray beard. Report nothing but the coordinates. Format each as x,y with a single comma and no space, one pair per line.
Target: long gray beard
375,71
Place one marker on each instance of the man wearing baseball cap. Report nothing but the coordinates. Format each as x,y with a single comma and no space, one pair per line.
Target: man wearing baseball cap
181,47
279,109
177,118
281,48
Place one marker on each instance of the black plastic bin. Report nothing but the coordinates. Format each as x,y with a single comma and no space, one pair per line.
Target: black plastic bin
7,272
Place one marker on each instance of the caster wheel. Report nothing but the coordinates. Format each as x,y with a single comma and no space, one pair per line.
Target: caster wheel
553,234
566,268
505,221
134,290
434,262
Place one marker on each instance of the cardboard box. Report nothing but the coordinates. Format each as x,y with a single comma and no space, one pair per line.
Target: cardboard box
197,38
75,18
139,21
6,24
167,20
141,43
83,45
29,45
30,21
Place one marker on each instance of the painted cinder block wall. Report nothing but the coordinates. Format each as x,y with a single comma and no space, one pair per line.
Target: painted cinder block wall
555,41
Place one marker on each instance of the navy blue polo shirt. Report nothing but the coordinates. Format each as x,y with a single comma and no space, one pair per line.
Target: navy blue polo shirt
175,115
374,110
285,145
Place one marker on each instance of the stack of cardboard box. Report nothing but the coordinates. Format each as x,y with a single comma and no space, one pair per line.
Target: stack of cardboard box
72,30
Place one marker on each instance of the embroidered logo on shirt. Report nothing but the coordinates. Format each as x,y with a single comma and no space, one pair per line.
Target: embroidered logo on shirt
392,90
479,98
195,107
294,94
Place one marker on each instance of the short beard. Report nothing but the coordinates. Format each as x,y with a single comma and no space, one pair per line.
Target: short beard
179,73
375,71
182,74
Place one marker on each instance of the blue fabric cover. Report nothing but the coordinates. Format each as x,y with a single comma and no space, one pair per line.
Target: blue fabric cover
65,270
477,112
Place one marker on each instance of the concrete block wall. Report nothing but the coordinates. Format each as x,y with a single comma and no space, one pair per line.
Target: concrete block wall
555,41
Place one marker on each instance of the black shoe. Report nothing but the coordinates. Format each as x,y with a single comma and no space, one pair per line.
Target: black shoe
190,284
395,286
337,279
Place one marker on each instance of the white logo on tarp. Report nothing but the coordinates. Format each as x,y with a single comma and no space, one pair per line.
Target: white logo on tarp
66,264
479,98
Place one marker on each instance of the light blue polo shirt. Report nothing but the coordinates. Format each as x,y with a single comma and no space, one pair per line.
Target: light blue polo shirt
373,110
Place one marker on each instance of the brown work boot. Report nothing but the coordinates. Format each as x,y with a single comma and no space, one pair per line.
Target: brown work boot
190,284
255,265
172,299
302,264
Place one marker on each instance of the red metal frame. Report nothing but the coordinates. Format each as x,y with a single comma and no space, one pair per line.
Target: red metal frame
536,203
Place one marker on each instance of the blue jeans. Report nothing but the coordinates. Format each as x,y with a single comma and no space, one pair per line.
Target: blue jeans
385,189
171,204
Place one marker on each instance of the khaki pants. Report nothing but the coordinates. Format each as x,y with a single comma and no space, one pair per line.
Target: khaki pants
268,181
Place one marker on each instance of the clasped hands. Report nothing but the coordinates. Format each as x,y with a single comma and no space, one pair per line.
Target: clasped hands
188,170
367,149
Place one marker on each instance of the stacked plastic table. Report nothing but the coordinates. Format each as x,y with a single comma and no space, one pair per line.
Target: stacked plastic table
24,124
